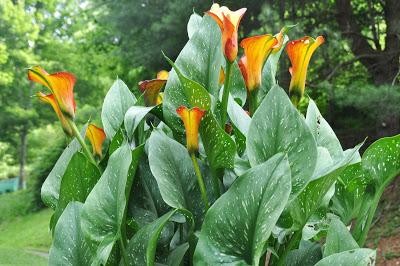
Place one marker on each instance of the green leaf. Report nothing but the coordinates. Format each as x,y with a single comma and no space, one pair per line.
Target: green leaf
323,133
200,61
355,257
103,211
176,256
237,85
251,206
51,187
172,167
339,239
193,24
69,246
218,145
311,198
142,247
117,101
238,116
307,254
133,117
278,127
76,184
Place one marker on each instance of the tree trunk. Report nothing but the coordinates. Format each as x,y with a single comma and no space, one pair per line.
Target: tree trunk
22,155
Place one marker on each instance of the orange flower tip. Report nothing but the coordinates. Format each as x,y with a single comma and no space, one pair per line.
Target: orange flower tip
151,90
96,137
191,119
221,79
163,75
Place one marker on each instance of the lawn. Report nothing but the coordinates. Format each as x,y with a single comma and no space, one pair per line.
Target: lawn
23,238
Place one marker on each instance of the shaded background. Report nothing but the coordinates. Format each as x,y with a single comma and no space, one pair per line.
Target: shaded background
354,76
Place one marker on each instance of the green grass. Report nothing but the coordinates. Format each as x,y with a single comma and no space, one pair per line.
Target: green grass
20,234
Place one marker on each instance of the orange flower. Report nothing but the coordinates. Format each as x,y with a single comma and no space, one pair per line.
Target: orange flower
256,51
151,88
50,99
96,137
228,21
300,52
61,85
221,79
191,120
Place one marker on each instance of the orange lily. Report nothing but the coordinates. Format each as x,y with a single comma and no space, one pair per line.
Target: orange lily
151,88
256,51
300,52
61,84
50,99
228,21
191,119
96,137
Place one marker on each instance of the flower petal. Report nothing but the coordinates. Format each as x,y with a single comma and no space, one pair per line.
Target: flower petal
96,137
151,89
61,85
300,52
163,74
50,99
256,51
191,120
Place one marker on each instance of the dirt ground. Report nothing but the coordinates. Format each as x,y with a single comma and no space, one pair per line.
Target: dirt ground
385,234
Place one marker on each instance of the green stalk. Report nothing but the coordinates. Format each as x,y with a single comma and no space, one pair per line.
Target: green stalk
85,148
200,181
371,214
225,95
123,251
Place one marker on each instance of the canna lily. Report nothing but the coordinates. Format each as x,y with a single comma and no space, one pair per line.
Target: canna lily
61,85
300,52
50,99
191,119
151,88
256,51
228,21
96,137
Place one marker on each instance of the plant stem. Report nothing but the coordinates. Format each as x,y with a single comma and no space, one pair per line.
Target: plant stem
252,101
123,251
225,95
85,148
200,180
289,247
371,214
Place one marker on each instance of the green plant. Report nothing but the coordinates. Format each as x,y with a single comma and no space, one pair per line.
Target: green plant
264,186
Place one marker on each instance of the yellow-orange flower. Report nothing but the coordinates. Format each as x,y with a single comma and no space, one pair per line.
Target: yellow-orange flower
256,51
228,21
61,85
96,137
50,99
151,88
191,119
300,52
221,79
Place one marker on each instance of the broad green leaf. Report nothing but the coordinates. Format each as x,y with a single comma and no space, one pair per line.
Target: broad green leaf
116,141
307,254
218,145
172,167
199,61
238,225
323,133
176,256
311,198
355,257
51,187
237,85
76,184
69,246
133,117
142,247
382,160
339,239
278,127
117,101
103,211
193,24
238,116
